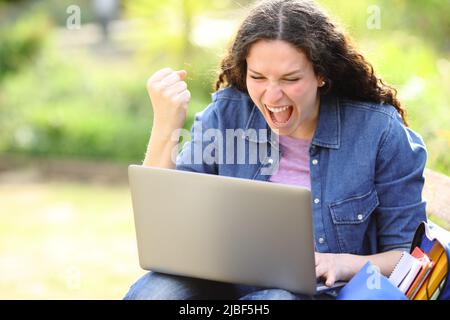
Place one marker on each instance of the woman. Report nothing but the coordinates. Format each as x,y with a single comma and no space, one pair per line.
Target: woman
342,133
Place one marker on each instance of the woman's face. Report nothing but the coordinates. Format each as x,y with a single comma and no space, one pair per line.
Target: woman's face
282,83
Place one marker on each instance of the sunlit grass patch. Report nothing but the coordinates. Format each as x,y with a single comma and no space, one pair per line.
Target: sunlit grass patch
66,241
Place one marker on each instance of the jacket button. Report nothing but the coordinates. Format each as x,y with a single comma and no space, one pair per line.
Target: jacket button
270,160
321,240
360,217
316,200
315,162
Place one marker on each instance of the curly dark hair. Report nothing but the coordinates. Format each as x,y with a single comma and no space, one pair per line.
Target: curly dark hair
309,28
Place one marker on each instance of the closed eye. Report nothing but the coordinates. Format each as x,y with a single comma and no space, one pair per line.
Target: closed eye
290,79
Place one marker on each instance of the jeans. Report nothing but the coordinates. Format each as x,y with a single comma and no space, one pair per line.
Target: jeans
160,286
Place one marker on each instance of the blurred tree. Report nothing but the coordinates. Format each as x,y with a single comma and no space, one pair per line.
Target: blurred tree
427,19
56,10
164,34
20,43
166,27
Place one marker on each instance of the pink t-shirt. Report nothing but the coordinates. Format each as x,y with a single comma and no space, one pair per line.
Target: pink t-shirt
294,163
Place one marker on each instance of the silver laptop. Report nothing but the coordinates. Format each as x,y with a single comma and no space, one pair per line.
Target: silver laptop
224,229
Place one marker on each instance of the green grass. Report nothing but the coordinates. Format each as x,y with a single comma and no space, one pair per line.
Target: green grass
66,241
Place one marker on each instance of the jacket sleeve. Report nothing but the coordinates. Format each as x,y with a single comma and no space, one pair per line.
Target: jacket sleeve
198,154
399,182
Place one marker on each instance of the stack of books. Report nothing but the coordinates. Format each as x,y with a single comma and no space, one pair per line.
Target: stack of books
421,275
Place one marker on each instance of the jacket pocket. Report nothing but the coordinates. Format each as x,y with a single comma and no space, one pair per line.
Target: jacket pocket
351,218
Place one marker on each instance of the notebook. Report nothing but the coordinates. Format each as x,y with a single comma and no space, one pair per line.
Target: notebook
437,292
405,271
436,278
425,270
411,276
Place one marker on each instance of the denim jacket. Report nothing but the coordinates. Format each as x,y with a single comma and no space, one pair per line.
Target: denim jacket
366,167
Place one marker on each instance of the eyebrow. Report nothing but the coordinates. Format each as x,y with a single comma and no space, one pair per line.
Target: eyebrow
284,75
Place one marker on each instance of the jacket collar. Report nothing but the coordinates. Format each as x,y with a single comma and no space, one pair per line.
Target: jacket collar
257,122
328,131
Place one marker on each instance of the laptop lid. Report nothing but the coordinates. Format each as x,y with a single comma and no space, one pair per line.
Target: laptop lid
223,228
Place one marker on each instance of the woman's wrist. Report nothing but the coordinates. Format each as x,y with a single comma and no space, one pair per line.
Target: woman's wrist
162,147
351,264
164,132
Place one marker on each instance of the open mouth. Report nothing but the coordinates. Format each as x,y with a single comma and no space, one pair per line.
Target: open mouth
280,115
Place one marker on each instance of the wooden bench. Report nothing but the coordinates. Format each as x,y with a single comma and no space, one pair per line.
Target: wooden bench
437,195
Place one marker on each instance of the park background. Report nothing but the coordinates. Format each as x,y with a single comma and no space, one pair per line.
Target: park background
74,113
